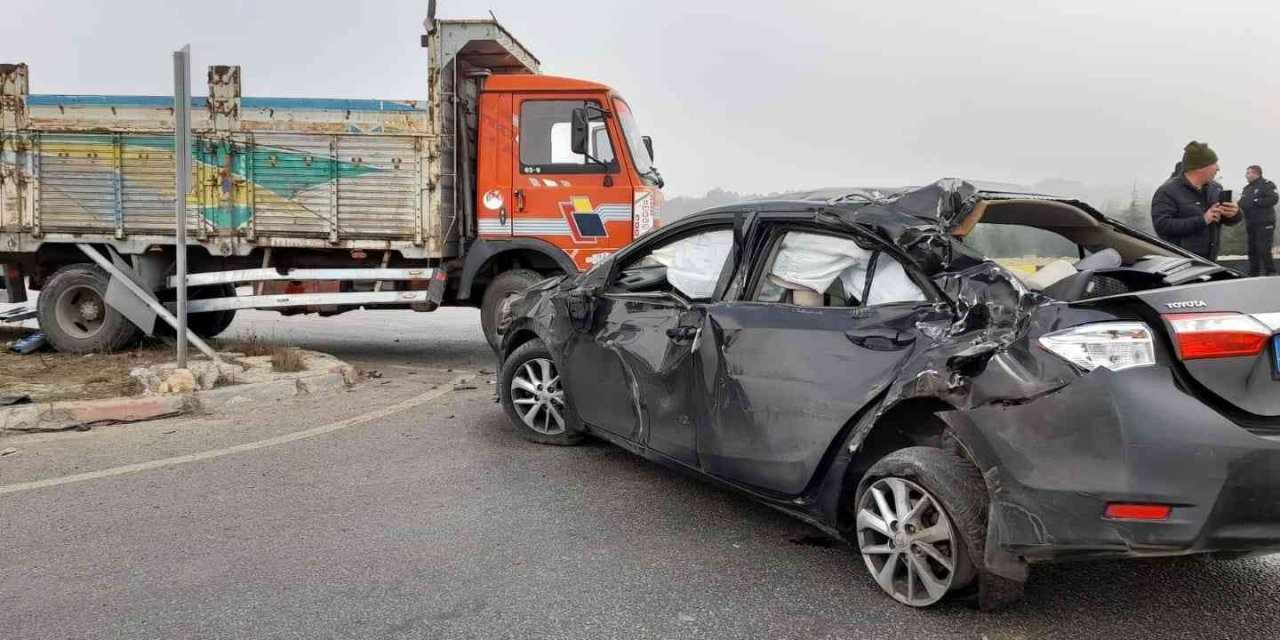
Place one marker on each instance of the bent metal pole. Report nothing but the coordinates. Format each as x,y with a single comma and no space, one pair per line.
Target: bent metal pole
182,177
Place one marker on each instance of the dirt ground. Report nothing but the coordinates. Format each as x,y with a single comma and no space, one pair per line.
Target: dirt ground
48,375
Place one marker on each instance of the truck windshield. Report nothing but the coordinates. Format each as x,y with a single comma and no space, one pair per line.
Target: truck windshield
635,143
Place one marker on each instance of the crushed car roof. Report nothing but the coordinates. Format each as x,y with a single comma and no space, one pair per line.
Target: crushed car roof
939,204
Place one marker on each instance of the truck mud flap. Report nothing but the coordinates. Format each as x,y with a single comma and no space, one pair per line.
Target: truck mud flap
13,287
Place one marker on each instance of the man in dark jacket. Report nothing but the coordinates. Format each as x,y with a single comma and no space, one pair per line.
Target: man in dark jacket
1258,203
1185,209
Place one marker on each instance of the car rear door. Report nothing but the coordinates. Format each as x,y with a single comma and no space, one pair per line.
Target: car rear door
791,363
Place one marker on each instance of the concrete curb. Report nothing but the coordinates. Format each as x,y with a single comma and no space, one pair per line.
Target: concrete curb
73,414
60,416
273,390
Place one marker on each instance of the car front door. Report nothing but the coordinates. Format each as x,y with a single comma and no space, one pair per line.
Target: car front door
631,372
819,332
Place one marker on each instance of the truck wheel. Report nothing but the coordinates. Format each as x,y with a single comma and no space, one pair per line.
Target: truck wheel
535,399
208,325
921,524
74,315
496,297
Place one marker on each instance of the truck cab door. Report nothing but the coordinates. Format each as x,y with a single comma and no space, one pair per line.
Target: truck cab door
578,203
495,136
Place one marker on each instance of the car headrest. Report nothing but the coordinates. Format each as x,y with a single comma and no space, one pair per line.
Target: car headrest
1049,274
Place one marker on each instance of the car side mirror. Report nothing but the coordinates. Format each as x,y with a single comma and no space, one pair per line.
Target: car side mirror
648,146
578,132
641,279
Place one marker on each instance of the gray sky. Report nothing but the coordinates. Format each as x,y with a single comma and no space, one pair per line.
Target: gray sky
783,96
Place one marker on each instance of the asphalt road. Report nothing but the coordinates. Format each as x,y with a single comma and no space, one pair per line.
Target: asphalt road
437,522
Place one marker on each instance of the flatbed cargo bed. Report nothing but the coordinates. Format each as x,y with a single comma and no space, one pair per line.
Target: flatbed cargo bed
289,173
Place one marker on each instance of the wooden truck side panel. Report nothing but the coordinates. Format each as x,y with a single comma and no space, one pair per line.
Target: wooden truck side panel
266,173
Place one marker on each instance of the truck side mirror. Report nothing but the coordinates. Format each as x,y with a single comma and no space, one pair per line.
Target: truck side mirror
648,146
578,134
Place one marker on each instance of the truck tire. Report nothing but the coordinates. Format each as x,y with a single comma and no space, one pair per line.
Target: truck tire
74,315
939,542
208,325
503,287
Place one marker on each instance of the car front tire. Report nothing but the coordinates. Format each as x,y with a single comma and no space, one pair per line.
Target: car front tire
535,398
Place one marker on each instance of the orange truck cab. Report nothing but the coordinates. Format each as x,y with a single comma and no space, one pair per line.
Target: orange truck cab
562,178
563,161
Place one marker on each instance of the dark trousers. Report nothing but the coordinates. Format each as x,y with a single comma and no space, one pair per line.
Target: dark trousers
1261,239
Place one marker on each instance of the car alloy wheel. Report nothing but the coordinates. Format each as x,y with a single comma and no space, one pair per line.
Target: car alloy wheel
538,397
907,541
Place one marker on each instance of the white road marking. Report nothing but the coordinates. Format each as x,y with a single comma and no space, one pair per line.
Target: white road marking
241,448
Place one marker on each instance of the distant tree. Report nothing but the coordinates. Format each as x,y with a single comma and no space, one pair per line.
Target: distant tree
1137,213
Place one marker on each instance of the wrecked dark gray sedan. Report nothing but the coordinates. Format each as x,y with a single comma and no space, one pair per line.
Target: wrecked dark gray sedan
962,383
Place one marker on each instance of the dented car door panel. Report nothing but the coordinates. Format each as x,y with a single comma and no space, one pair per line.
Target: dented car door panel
633,374
786,381
596,375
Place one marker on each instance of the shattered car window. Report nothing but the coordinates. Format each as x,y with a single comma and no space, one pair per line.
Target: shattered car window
817,270
693,263
1011,244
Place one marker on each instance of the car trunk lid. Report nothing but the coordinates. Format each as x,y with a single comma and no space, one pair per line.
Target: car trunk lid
1225,335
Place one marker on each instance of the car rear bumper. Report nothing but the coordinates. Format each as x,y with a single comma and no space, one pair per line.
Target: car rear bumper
1053,465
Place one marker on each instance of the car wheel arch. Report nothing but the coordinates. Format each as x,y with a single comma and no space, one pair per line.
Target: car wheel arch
516,338
936,423
907,423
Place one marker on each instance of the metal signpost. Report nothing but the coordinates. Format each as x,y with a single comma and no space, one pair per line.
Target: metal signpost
182,167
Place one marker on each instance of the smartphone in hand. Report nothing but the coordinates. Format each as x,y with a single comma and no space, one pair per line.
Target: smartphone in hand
1226,197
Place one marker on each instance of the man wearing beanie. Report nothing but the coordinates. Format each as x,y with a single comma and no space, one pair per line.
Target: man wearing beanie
1185,209
1258,203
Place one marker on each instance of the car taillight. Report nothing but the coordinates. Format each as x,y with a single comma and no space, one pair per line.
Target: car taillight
1110,345
1123,511
1217,335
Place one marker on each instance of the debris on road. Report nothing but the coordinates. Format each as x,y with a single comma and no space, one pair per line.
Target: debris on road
8,452
180,381
29,344
8,401
147,380
350,375
464,387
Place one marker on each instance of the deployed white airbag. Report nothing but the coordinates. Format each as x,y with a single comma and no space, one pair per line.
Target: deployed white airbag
694,263
815,261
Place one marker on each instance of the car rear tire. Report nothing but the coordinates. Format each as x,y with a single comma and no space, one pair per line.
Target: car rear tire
921,524
496,297
74,315
534,398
